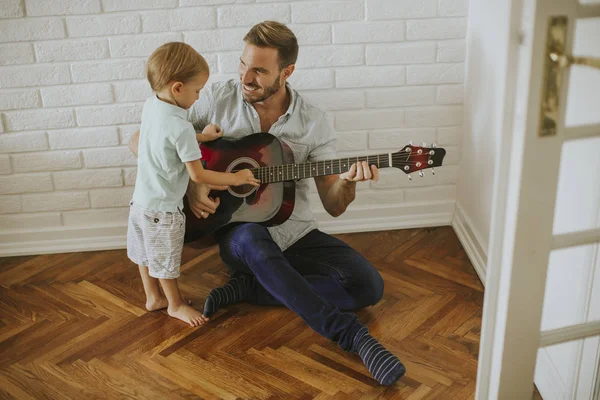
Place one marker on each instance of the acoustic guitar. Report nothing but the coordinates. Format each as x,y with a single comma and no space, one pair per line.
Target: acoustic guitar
272,161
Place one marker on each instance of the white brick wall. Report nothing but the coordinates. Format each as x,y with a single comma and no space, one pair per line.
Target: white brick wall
217,40
11,9
111,197
369,32
20,99
401,97
59,201
48,161
248,15
83,137
327,11
75,95
34,75
72,86
23,30
23,141
109,157
83,49
38,119
331,56
107,71
11,205
451,51
16,53
394,9
103,25
366,77
87,179
5,165
139,45
36,8
403,53
109,115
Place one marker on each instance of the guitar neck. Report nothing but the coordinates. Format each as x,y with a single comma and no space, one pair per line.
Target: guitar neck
292,172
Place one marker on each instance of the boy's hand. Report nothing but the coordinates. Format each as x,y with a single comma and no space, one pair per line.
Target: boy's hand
245,177
212,132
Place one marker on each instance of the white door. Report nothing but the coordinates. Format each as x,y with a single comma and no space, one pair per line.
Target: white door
543,285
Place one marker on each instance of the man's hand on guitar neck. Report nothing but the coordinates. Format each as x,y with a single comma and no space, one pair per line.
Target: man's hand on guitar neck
200,203
361,172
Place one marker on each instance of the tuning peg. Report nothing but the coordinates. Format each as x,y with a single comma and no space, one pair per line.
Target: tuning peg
432,171
410,143
421,174
433,145
409,177
424,144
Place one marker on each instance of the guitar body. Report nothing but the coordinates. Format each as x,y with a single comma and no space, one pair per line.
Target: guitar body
270,204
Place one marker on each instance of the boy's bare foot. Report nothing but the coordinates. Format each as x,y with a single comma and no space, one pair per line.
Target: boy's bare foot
187,314
156,303
160,303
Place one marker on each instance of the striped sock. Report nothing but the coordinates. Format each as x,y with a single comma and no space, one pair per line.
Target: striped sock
234,291
385,367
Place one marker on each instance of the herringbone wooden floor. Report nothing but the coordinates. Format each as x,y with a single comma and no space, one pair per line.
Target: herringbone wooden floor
74,326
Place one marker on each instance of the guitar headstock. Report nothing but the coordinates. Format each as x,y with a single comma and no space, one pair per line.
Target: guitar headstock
417,158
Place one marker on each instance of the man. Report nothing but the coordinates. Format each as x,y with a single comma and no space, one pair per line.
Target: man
293,264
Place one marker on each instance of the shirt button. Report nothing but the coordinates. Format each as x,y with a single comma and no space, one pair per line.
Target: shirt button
156,220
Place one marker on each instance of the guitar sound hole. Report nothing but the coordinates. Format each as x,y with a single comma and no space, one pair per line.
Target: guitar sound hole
243,190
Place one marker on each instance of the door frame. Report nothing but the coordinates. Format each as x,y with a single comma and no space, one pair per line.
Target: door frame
522,213
523,209
499,204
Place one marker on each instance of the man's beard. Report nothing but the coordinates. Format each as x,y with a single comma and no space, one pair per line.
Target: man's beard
267,92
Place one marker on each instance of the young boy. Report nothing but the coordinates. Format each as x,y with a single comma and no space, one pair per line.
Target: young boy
168,156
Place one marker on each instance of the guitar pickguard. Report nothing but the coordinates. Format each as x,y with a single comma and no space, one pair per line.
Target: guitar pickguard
260,206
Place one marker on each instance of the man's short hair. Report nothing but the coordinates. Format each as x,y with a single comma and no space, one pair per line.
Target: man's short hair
276,35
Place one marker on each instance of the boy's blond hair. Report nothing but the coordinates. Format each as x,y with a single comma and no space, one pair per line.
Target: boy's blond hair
277,35
174,61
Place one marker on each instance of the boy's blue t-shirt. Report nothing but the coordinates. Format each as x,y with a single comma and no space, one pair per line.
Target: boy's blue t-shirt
167,140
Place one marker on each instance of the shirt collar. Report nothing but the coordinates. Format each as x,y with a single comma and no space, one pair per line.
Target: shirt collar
169,109
291,91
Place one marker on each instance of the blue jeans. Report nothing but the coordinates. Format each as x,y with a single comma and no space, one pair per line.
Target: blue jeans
317,277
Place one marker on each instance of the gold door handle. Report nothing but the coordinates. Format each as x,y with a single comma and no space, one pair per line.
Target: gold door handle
565,60
555,62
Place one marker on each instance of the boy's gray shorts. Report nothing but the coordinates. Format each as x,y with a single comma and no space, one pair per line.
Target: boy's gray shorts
155,240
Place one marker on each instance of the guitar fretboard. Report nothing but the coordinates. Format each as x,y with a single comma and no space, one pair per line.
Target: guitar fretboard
291,172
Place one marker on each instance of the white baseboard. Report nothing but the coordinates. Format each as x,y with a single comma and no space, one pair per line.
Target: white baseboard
547,378
387,217
62,240
357,219
470,238
385,223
